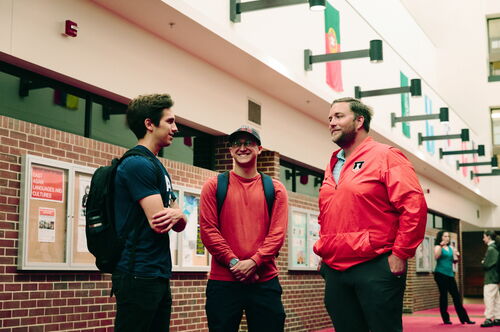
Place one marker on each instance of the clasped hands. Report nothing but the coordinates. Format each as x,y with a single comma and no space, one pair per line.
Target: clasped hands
244,271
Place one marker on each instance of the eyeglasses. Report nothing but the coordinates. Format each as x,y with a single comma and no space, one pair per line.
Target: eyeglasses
247,143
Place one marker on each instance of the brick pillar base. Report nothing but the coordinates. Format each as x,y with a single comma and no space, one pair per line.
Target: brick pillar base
223,159
269,163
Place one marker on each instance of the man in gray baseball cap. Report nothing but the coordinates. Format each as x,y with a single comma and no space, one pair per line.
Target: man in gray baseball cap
244,235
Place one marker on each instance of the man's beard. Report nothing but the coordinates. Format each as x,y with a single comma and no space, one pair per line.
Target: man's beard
346,137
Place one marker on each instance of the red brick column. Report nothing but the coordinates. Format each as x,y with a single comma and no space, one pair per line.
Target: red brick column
223,160
269,163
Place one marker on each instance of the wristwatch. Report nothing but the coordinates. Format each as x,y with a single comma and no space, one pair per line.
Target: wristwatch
233,262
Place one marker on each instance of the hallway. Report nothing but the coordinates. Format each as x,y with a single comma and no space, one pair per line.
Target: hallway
430,320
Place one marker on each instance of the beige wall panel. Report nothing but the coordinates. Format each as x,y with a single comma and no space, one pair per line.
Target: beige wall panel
5,25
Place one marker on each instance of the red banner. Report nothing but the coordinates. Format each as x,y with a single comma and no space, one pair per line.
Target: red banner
47,184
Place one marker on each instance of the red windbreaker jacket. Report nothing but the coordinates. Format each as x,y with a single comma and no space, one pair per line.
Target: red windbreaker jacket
377,206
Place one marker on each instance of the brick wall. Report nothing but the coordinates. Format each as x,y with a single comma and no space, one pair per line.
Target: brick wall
79,301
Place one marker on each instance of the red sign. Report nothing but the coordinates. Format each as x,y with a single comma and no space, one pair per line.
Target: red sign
47,184
70,28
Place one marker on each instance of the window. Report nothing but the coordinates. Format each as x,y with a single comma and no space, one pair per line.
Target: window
34,98
494,48
441,222
300,179
495,128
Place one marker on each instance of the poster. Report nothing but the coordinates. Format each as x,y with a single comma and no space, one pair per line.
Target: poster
47,184
200,248
423,255
173,236
46,225
299,239
81,245
433,258
190,234
312,237
82,199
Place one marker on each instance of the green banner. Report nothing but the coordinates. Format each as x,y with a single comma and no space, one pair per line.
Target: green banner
405,105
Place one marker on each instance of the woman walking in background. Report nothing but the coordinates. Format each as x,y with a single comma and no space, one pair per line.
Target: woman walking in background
445,278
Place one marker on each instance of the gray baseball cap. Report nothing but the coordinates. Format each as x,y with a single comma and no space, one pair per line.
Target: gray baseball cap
248,130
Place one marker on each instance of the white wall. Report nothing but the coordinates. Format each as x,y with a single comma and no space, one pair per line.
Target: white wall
5,24
115,54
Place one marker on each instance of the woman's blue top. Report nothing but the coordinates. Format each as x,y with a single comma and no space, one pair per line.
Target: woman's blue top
444,264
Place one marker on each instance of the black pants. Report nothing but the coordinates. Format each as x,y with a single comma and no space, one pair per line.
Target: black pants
365,297
447,285
261,302
143,304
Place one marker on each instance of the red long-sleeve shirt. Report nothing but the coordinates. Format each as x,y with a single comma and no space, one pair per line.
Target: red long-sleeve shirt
377,206
244,229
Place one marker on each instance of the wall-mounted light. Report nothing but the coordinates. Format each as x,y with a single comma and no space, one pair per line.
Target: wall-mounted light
464,136
415,89
374,53
494,172
442,116
479,151
492,163
236,7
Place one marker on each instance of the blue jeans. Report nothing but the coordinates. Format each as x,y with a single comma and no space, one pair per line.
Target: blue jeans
143,303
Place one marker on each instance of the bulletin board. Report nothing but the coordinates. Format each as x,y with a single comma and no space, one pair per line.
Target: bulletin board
303,232
173,236
80,252
432,239
187,249
50,236
423,255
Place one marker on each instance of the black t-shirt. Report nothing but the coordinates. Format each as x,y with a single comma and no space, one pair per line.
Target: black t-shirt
136,178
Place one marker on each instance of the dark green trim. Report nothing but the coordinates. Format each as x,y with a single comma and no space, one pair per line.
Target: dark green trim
494,78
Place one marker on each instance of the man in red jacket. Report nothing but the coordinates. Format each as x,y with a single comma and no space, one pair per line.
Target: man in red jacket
372,219
244,241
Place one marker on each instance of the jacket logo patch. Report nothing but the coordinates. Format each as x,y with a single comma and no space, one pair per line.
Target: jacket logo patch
357,166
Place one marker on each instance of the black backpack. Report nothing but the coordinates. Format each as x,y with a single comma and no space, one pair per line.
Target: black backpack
223,182
102,239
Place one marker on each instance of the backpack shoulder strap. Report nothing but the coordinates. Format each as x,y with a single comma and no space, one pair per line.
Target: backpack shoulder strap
222,184
136,152
269,192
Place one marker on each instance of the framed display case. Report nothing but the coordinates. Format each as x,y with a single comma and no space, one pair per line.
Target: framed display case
52,215
423,255
188,252
303,232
